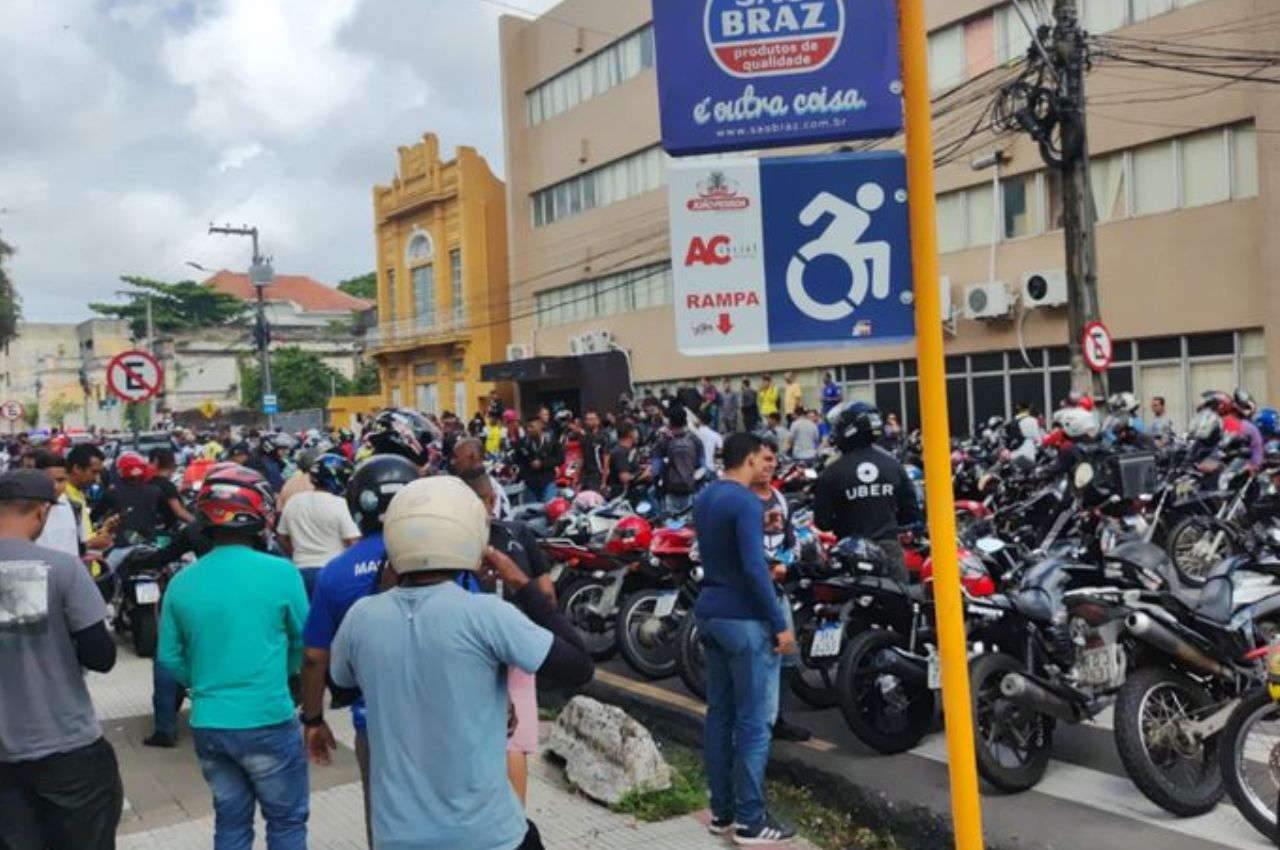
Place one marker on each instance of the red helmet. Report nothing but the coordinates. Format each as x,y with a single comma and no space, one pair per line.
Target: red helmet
133,467
631,534
557,508
236,498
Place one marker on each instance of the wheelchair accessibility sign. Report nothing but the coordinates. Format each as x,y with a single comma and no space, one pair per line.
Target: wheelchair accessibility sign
818,257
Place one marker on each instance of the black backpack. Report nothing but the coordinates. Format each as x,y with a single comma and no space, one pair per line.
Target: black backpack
1013,433
680,468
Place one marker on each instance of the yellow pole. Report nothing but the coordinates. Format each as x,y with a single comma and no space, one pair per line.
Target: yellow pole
966,808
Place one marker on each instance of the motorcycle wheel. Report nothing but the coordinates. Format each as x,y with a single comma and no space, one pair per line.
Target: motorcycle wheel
648,644
1013,743
691,664
815,681
1184,540
599,635
884,712
146,631
1249,751
1181,777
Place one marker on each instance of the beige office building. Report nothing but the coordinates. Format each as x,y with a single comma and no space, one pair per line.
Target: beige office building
1186,178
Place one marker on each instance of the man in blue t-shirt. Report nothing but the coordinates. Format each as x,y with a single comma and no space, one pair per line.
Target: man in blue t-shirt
342,583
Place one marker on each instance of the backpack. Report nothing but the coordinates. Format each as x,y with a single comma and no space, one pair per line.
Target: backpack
681,467
1013,433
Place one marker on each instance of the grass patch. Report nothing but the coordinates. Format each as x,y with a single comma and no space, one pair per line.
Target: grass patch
823,825
687,794
548,715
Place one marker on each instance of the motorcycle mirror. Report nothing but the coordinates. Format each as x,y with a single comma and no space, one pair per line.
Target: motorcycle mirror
1083,476
644,509
990,545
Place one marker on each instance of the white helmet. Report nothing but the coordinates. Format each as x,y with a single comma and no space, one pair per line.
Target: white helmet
1076,422
436,524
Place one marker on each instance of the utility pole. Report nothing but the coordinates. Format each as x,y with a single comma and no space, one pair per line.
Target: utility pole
260,275
151,349
1048,103
1079,217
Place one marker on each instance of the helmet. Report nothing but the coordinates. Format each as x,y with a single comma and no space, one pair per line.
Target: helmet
373,485
1123,404
1079,399
631,534
1244,402
508,416
435,524
1206,427
557,508
331,473
588,501
858,555
1217,401
346,435
855,424
564,417
388,435
414,421
1077,422
236,498
1268,421
276,443
133,467
307,457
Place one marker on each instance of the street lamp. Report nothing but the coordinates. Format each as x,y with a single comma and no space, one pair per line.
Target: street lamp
261,275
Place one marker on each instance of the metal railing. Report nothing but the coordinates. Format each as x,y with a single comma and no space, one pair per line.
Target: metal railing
442,323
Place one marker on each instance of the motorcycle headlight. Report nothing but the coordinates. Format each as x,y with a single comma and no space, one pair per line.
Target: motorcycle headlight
1083,475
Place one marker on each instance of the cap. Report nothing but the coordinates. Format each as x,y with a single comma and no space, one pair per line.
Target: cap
27,485
435,524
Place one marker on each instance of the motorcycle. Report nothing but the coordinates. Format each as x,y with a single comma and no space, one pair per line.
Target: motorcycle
1249,751
650,619
139,585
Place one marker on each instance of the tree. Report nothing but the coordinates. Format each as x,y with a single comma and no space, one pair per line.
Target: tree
368,381
10,302
59,409
175,307
31,414
365,286
302,380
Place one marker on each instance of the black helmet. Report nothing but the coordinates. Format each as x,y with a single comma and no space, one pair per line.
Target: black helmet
374,484
331,473
1245,404
857,555
388,435
856,425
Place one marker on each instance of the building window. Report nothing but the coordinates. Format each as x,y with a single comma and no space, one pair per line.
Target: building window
979,215
616,181
424,295
951,222
391,295
1108,184
1019,206
946,57
1153,179
458,365
1099,16
1244,161
419,248
624,292
1140,10
428,398
1204,168
460,398
455,284
593,76
1013,39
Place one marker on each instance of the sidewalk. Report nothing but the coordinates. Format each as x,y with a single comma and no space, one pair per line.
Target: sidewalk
167,804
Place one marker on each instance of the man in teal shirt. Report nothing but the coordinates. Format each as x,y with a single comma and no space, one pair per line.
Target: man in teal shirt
231,632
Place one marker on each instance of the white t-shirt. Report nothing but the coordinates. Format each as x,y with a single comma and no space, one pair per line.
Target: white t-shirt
318,524
62,533
711,443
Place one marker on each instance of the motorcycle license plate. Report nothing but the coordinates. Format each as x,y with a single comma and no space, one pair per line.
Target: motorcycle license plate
666,604
147,592
935,673
1097,665
826,641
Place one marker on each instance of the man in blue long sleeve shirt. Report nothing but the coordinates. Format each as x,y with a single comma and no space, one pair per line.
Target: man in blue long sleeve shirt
744,634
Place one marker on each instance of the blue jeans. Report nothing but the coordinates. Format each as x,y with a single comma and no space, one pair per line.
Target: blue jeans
742,705
673,503
534,495
249,767
166,699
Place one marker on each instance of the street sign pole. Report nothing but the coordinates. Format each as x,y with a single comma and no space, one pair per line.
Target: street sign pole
966,807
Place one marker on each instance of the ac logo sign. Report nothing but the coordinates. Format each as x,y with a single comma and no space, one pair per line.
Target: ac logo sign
717,250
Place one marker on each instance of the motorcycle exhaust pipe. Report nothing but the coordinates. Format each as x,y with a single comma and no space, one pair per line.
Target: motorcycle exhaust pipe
1143,627
1032,695
913,673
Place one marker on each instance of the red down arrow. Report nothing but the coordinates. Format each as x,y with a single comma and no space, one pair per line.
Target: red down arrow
725,325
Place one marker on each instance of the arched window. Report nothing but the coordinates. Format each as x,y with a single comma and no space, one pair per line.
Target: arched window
419,248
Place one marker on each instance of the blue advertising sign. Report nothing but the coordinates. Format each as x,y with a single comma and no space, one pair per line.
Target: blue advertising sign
270,403
779,253
744,74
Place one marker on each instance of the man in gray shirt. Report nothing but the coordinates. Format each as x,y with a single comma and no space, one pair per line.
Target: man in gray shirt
730,403
805,438
59,780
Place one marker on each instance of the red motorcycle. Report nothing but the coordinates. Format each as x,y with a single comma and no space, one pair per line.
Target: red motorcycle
650,617
595,577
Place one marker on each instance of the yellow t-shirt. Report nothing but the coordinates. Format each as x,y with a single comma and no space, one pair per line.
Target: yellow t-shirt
768,400
493,439
78,498
793,398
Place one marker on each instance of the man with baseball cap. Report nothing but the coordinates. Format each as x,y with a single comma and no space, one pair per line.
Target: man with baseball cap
438,725
59,779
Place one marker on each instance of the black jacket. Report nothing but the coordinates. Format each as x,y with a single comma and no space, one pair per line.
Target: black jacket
547,449
866,493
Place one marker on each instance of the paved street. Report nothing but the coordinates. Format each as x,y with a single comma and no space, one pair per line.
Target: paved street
167,805
1085,802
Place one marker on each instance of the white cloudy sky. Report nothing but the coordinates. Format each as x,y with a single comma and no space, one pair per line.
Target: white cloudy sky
126,126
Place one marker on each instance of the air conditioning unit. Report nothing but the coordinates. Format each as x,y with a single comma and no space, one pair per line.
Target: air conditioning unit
519,351
596,342
948,309
1045,289
988,301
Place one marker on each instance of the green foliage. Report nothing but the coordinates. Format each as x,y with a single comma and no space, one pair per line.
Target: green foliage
10,302
368,380
687,794
365,286
175,307
301,380
137,417
825,826
59,409
31,413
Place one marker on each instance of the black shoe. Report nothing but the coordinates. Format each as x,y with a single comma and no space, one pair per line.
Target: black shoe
769,832
786,731
719,826
165,742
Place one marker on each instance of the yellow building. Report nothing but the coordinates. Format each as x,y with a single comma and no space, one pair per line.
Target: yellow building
443,299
